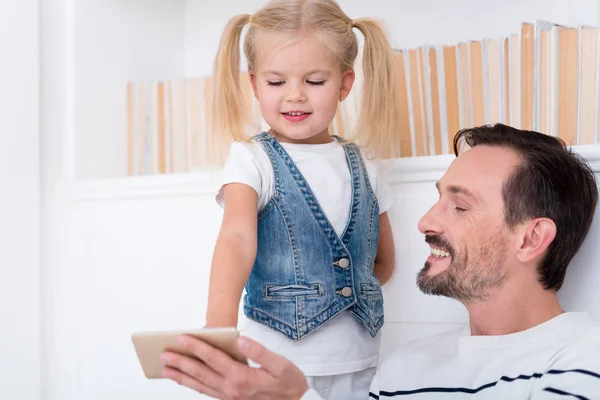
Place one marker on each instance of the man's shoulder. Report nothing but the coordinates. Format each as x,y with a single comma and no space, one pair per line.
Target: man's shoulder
584,341
575,367
584,330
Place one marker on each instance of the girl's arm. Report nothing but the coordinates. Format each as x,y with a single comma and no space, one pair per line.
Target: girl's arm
233,256
385,259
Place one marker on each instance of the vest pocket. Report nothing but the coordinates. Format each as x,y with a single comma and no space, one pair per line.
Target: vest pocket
370,290
287,291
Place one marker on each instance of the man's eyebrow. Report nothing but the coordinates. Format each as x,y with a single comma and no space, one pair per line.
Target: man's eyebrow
455,189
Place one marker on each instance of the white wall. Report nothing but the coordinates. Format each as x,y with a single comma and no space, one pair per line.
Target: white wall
409,23
203,28
19,202
135,258
111,43
56,110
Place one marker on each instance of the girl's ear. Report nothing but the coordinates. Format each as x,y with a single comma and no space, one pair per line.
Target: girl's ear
252,76
347,82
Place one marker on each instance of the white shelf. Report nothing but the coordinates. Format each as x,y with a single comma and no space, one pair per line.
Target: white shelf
150,186
398,171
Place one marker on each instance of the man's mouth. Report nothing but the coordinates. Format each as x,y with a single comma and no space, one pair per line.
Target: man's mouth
439,253
439,246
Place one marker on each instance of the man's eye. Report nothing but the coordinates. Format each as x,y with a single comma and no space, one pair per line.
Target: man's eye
315,82
460,210
275,83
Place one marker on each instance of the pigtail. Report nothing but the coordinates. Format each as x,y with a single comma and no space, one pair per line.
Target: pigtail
378,121
229,113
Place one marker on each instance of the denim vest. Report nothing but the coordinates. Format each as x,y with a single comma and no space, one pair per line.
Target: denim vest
304,273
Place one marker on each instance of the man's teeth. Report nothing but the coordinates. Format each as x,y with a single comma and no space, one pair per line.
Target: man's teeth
439,253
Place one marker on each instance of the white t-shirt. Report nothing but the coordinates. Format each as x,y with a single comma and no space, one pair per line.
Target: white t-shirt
342,345
558,359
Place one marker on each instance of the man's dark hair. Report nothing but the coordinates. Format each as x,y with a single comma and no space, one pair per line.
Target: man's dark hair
551,182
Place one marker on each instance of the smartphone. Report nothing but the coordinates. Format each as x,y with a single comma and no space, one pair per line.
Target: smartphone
150,345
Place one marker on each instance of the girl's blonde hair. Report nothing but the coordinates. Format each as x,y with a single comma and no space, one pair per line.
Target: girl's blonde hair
377,127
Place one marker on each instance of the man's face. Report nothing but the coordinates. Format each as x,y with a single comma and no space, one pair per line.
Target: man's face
466,229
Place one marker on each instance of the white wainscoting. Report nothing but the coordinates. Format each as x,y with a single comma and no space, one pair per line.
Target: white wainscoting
134,254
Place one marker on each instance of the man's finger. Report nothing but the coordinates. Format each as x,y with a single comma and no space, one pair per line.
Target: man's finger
187,381
193,368
215,359
269,361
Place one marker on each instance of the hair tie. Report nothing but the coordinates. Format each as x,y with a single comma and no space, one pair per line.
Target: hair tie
250,18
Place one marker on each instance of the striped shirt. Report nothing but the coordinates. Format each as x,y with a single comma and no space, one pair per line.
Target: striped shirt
558,359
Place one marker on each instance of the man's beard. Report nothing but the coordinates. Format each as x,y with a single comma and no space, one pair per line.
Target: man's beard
467,279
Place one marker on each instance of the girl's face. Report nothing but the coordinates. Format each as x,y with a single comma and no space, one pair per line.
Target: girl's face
298,87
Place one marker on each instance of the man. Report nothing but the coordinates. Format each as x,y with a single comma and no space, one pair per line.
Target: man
513,211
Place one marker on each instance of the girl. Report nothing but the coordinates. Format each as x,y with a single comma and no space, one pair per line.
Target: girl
305,227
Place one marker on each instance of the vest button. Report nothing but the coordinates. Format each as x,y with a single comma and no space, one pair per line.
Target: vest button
344,263
346,292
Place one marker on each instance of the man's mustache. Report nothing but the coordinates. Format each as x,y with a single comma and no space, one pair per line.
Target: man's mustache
440,243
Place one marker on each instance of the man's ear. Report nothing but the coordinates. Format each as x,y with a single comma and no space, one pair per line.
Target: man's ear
536,236
347,82
252,76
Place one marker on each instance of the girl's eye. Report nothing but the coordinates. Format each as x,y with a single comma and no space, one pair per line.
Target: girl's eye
275,83
315,82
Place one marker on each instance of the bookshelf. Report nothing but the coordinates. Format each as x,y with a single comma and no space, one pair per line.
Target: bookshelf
103,45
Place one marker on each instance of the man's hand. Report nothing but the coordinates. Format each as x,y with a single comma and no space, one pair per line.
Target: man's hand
215,374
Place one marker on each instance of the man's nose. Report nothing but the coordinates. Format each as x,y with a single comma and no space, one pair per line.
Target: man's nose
431,222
